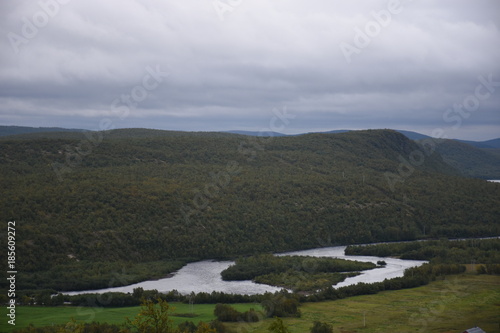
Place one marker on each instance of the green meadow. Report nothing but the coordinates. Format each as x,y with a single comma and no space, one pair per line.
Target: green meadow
46,316
446,306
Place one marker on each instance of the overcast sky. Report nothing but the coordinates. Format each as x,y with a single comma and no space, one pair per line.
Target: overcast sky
241,64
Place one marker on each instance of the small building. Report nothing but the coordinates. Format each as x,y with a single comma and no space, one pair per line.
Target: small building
474,330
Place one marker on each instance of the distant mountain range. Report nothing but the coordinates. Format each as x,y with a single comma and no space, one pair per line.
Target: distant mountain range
494,143
479,159
14,130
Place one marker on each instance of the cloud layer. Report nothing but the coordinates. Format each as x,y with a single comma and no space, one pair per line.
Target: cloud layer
230,63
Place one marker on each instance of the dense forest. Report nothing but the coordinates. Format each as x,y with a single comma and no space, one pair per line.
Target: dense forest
90,208
250,267
298,273
472,251
469,160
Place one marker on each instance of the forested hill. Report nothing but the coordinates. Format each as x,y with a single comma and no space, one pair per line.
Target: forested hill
470,160
139,195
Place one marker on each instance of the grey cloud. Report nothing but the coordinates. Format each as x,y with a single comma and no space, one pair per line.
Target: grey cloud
232,73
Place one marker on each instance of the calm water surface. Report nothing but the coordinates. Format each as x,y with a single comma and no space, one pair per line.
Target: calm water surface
204,276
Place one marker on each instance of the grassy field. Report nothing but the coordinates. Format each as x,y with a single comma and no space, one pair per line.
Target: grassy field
46,316
448,306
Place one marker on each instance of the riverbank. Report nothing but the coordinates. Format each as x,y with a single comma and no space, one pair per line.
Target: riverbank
205,276
452,304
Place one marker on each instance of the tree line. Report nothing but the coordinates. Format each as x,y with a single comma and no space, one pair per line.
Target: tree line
141,200
480,251
248,268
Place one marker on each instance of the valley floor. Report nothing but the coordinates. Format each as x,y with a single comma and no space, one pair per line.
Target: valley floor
451,305
447,306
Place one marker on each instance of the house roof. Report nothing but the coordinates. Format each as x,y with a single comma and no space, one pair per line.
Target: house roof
474,330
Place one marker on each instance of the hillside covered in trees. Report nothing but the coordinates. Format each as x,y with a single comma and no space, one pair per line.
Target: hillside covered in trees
479,162
89,206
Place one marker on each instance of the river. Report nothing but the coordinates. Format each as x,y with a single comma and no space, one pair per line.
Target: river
204,276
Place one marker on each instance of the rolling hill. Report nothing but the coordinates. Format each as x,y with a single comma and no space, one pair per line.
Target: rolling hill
494,143
88,205
470,160
478,159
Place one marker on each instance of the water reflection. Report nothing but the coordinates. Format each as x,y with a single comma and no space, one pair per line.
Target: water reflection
204,276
